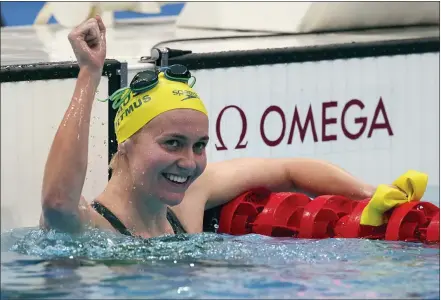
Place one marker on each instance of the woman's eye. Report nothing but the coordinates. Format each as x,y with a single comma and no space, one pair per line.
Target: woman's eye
200,146
172,143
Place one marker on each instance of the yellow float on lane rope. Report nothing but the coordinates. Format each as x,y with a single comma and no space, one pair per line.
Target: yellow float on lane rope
408,187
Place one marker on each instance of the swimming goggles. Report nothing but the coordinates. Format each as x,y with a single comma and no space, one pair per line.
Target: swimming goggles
148,79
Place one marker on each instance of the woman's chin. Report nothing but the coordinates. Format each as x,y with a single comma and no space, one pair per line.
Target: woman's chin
172,199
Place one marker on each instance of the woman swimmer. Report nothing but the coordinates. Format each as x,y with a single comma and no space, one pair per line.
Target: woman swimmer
161,182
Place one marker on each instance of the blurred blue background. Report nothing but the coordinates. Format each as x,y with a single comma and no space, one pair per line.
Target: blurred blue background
24,13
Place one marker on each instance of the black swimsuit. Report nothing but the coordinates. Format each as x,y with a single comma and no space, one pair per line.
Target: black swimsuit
118,225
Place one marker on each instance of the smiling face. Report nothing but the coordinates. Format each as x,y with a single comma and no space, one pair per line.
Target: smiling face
168,154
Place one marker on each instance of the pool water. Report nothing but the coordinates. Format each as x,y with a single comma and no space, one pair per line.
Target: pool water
95,265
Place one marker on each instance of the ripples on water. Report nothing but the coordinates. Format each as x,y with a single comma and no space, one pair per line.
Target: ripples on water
103,265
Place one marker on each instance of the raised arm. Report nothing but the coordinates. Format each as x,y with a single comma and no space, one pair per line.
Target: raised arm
66,165
225,180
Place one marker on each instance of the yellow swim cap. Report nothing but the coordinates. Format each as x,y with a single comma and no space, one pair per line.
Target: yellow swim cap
139,109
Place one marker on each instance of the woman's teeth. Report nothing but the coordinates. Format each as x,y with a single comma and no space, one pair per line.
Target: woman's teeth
175,178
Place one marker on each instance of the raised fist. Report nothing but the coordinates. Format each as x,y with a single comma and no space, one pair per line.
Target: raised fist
88,42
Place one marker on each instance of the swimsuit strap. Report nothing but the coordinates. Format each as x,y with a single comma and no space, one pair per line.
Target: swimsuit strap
111,218
174,222
118,225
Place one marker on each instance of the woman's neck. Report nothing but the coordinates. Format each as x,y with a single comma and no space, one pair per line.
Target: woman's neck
142,214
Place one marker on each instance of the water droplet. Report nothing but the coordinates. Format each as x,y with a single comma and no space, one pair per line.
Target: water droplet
183,289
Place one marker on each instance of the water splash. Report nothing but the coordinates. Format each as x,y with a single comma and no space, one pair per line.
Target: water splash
221,266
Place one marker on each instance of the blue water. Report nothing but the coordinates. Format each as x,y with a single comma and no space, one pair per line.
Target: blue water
210,266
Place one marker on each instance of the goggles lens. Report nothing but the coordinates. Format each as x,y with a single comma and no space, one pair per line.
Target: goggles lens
143,80
178,71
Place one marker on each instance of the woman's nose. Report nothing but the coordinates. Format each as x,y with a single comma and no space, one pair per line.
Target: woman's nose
187,162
